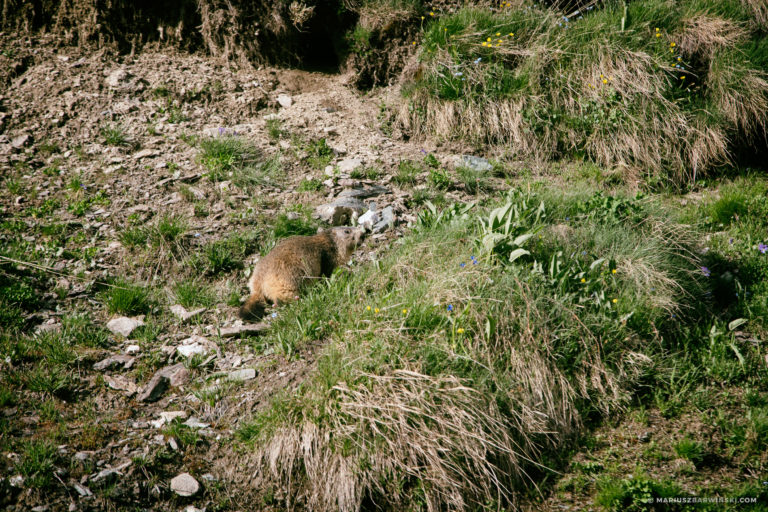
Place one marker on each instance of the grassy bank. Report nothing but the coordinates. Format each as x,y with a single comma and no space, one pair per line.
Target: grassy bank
459,370
666,89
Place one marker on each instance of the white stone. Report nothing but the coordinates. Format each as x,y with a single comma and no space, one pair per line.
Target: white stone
350,164
124,325
184,485
244,374
284,100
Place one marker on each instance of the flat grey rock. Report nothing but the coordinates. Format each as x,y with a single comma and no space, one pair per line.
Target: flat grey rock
363,192
121,383
387,220
247,329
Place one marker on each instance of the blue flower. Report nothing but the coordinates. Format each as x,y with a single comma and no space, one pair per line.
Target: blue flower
477,60
705,271
462,264
762,248
730,241
458,73
450,307
274,315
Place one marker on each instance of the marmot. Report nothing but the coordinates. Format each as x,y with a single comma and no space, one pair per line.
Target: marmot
295,262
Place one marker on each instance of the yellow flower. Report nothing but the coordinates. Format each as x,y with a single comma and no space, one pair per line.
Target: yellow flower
405,311
483,43
679,59
367,308
498,34
431,13
511,34
658,35
499,41
682,77
422,18
672,45
489,39
460,330
376,310
605,81
583,280
414,43
615,301
657,29
613,271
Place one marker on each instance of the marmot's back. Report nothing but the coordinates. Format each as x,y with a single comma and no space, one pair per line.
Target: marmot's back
296,262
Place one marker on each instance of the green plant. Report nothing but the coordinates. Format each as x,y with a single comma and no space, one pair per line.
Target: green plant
128,299
274,129
690,449
319,153
407,171
193,292
439,179
37,462
114,135
310,185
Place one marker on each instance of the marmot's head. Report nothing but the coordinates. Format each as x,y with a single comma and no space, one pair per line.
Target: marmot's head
347,239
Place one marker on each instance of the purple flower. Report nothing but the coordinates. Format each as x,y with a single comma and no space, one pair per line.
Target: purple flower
222,130
462,264
762,248
730,241
705,271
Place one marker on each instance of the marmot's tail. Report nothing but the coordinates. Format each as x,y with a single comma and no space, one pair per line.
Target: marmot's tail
253,308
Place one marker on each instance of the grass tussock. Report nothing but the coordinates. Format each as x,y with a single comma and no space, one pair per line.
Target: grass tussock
667,87
455,367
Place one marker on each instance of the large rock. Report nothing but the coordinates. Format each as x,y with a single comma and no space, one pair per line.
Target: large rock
184,485
124,325
175,375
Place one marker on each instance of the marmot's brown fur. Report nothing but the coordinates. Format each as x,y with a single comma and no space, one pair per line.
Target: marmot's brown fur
296,262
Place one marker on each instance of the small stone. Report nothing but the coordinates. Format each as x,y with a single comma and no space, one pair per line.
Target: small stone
193,422
172,443
350,164
40,508
50,326
124,325
284,100
115,361
144,153
644,437
132,349
82,490
182,314
244,374
184,485
475,163
120,383
368,219
194,345
387,220
16,481
192,508
247,329
83,456
116,78
169,416
21,141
